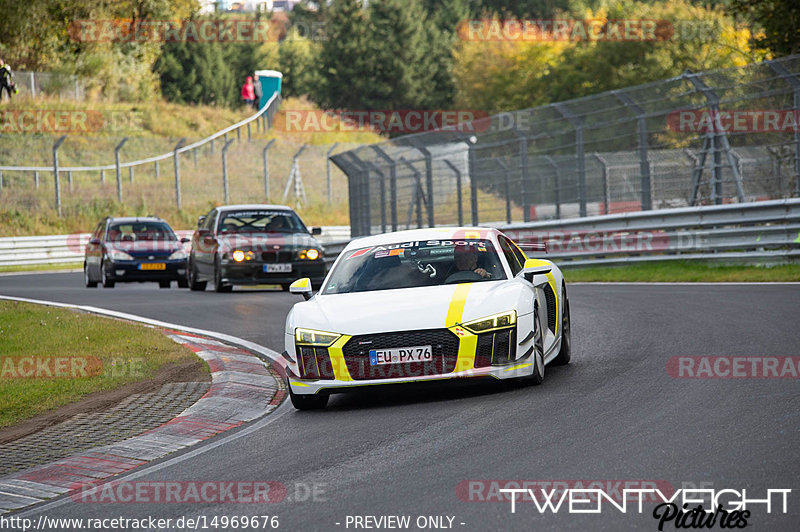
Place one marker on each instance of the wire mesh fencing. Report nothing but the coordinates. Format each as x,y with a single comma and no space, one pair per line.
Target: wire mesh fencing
715,137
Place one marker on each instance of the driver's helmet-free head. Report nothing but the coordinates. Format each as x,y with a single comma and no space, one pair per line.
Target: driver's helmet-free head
466,258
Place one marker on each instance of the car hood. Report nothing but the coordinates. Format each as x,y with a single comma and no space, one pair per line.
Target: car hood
147,247
405,309
266,241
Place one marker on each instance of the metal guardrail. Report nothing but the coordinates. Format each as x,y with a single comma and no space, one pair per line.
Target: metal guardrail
68,249
766,231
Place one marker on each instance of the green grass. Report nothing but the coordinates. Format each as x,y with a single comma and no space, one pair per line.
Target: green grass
42,267
27,210
684,271
109,352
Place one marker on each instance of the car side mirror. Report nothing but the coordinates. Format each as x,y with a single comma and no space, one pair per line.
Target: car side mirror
200,220
95,241
316,231
184,240
534,267
302,287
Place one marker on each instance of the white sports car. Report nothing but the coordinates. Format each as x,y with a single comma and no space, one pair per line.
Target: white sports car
426,304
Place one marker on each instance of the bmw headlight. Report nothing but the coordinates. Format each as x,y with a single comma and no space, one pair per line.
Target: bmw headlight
493,322
315,338
117,254
241,256
310,254
178,255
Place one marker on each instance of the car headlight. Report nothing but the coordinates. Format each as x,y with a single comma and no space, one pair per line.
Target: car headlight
178,255
116,254
310,254
493,322
315,338
240,255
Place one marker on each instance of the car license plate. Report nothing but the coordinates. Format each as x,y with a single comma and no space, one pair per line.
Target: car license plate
153,266
400,355
277,268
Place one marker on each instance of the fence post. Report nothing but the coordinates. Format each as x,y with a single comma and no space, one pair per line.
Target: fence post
56,179
266,168
1,180
158,172
473,184
116,159
36,178
556,184
644,164
604,165
525,177
795,83
580,159
506,188
69,180
176,165
457,172
328,169
102,176
383,194
238,135
194,155
428,178
249,134
130,174
225,169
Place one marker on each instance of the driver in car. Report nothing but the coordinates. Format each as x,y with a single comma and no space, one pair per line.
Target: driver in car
466,259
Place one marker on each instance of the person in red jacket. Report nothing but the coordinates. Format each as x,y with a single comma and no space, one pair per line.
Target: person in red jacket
248,92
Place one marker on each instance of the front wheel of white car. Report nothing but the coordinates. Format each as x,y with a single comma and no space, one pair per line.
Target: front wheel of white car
308,402
537,377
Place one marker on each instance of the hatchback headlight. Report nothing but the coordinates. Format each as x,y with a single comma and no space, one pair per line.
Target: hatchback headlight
315,338
493,322
117,254
178,255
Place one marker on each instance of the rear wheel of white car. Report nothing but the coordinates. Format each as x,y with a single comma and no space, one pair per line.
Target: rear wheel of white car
537,377
308,402
219,286
565,353
194,284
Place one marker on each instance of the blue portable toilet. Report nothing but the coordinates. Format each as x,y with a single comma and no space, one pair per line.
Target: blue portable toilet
270,84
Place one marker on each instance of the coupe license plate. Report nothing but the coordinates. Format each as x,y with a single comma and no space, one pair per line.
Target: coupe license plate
153,266
277,268
400,355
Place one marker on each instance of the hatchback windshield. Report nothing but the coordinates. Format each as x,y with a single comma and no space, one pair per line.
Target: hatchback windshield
261,222
140,231
413,264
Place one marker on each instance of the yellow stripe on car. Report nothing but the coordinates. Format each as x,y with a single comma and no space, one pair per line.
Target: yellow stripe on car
467,342
336,354
457,302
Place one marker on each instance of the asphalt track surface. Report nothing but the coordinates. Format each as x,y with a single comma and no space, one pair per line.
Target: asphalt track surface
613,414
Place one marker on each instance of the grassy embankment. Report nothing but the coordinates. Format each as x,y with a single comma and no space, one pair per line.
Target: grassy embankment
684,271
94,354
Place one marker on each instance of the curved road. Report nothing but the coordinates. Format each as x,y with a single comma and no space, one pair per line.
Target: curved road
614,414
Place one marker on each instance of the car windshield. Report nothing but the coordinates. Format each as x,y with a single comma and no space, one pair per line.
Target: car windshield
140,231
260,222
415,264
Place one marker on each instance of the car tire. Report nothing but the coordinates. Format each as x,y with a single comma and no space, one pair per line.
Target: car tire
183,283
164,284
86,279
285,286
194,284
565,353
308,402
105,278
537,377
219,286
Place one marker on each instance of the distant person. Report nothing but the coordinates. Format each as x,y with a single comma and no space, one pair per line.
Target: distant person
257,91
248,92
6,81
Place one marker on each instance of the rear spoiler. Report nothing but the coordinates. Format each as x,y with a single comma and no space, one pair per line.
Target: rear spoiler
533,246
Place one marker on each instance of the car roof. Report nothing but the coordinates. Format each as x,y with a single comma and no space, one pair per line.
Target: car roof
433,233
254,206
129,219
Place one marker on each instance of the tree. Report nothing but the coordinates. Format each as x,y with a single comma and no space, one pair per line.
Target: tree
196,72
778,19
296,59
343,61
